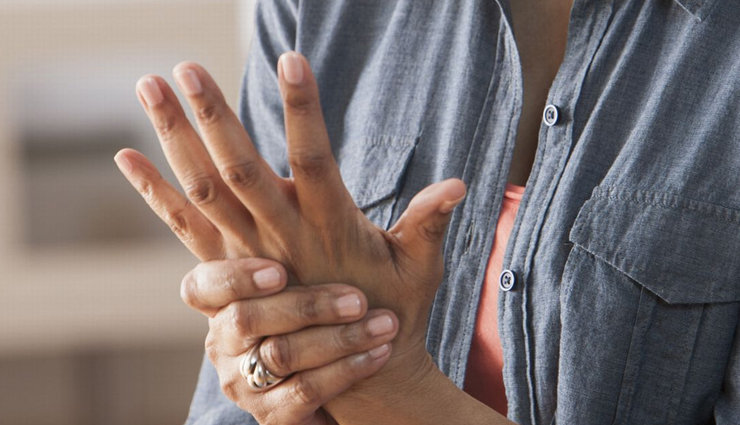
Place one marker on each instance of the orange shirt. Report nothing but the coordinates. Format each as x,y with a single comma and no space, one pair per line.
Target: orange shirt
484,377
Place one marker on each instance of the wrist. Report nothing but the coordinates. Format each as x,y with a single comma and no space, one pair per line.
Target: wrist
390,394
404,395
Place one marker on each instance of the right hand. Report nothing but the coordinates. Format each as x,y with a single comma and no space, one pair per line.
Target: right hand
321,336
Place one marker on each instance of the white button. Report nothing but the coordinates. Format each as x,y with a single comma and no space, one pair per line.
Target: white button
507,280
550,116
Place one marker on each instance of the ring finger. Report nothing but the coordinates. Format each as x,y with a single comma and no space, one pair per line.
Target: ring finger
197,233
319,346
242,168
189,159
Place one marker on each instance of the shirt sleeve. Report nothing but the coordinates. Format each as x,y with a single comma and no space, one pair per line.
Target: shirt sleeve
210,406
261,112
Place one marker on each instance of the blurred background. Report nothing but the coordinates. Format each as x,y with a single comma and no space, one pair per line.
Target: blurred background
92,329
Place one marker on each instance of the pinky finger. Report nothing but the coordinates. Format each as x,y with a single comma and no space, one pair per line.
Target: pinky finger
198,234
305,392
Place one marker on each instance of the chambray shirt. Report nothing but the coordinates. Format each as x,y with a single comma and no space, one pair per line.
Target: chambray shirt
626,248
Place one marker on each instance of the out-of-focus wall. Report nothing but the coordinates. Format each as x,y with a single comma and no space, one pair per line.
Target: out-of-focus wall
92,330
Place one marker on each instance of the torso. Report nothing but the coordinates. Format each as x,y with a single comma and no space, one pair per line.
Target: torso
624,309
541,30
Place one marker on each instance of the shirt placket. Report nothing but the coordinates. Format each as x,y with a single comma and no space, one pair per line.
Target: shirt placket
589,22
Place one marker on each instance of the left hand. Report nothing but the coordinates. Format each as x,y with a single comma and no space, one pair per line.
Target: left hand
321,338
238,207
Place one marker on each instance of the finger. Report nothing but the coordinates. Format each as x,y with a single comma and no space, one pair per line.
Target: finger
319,346
198,234
189,159
240,324
421,229
305,392
250,178
216,284
318,181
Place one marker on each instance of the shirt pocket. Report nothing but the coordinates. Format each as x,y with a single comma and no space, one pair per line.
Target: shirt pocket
649,305
372,169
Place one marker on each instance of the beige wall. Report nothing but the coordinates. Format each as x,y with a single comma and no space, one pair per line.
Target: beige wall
94,332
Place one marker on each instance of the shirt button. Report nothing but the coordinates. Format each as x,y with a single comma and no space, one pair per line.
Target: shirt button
550,116
507,280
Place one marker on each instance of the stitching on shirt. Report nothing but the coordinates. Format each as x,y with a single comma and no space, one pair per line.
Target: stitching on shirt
383,185
518,97
403,142
690,339
673,202
622,260
493,83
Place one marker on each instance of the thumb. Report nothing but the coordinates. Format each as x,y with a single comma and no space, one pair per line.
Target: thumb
421,229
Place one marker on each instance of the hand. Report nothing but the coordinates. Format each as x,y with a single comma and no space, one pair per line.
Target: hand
321,336
238,207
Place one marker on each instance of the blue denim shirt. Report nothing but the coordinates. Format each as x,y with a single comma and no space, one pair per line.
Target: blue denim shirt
626,246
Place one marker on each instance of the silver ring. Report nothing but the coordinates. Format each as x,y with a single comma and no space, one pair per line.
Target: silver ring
255,372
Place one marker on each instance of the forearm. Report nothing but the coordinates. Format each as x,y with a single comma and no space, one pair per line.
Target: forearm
431,400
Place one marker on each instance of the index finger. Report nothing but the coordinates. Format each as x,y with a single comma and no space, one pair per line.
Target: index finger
318,181
216,284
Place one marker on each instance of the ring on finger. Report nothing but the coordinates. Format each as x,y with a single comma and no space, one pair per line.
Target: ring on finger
254,371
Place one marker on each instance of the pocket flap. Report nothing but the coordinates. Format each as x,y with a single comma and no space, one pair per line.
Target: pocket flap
682,250
372,167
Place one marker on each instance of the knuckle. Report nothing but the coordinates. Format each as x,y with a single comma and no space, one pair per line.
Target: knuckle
202,191
146,190
209,114
211,345
432,232
178,223
244,175
275,417
277,354
313,166
307,306
166,127
300,102
304,391
348,338
240,318
230,387
230,284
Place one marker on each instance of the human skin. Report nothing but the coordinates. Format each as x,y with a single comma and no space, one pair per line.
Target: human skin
239,208
307,332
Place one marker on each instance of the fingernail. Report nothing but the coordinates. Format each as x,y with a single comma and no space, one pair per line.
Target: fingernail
292,68
380,325
448,206
348,305
267,278
379,352
123,164
189,82
151,92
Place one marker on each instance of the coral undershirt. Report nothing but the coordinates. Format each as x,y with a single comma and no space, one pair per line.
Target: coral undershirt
484,377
